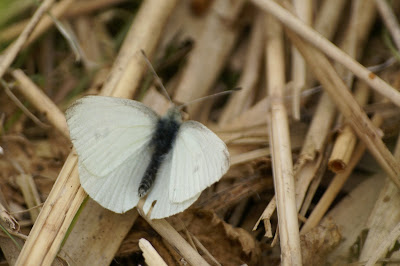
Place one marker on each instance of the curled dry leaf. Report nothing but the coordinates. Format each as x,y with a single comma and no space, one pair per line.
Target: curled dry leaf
317,243
235,245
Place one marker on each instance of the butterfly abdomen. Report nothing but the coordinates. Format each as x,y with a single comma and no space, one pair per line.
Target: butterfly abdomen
161,143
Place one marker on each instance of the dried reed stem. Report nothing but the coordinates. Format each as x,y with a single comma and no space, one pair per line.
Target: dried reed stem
265,217
346,140
318,171
280,145
11,52
47,233
30,193
129,66
318,131
390,20
240,101
150,254
316,39
250,156
363,15
383,218
46,22
327,18
203,249
209,54
343,150
41,101
304,177
79,8
101,231
244,121
85,7
326,23
176,241
303,10
392,237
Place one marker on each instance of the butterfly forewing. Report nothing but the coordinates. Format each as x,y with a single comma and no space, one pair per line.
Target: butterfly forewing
106,131
199,159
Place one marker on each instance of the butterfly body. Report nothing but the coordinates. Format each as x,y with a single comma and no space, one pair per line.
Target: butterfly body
125,151
161,144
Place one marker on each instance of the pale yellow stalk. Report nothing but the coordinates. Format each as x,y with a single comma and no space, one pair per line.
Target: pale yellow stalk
280,144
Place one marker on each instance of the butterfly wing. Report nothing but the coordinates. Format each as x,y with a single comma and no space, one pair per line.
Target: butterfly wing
118,190
106,131
199,159
164,207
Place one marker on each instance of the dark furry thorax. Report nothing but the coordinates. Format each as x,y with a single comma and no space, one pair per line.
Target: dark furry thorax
163,139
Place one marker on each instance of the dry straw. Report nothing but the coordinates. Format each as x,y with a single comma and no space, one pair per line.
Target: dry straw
254,122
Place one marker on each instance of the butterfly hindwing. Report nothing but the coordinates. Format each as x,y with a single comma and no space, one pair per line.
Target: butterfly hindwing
118,190
164,207
199,159
106,131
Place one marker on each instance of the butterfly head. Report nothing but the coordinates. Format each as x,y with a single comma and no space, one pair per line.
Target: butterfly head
174,113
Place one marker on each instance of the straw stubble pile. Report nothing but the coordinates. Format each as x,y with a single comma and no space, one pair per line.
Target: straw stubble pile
310,133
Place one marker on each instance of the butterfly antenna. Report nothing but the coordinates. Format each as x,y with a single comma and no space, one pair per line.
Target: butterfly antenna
209,96
150,66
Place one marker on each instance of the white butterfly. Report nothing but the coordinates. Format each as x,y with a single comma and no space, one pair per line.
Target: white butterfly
116,141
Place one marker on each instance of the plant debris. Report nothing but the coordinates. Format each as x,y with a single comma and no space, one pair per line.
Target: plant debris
312,134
